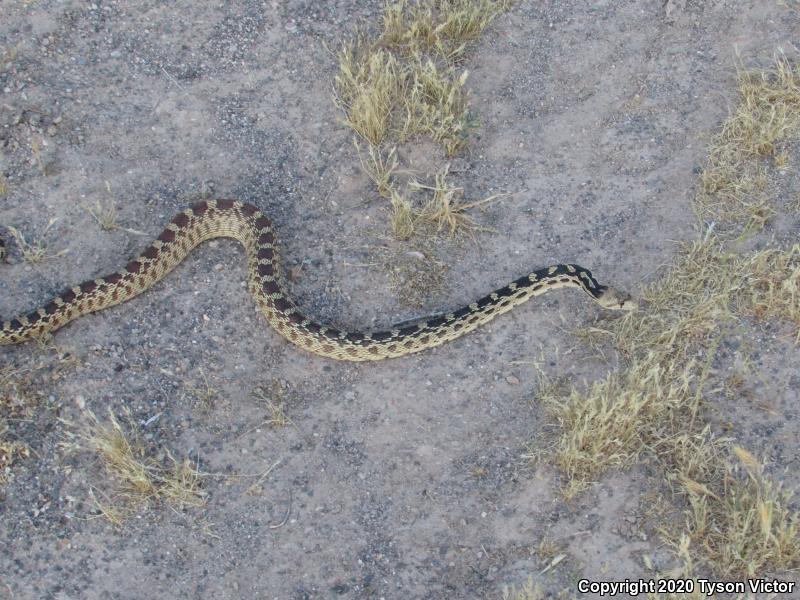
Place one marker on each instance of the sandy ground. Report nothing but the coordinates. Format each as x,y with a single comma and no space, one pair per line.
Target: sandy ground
402,479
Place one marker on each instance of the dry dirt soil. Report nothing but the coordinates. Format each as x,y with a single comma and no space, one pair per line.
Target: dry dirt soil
399,479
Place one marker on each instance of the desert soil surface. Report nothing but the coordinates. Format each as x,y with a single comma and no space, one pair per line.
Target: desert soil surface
399,479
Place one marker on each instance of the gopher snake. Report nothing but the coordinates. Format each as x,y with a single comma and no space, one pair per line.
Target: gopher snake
245,223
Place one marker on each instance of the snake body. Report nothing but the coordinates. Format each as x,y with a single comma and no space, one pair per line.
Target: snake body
245,223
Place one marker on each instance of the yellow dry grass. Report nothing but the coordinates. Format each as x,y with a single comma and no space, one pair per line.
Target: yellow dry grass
443,28
733,186
380,167
606,426
437,107
738,522
402,215
772,287
656,404
441,211
138,476
369,87
741,524
104,212
405,83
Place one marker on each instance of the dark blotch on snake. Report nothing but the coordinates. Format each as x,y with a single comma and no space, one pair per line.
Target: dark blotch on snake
150,253
263,223
437,321
180,220
465,310
265,253
484,302
271,287
406,331
87,287
282,305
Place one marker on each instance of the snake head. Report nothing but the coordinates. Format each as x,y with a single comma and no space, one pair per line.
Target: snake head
614,299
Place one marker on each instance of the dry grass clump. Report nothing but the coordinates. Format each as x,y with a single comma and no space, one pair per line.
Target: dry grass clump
138,476
686,304
733,184
274,397
656,403
105,214
385,100
369,89
443,28
772,286
610,425
737,525
437,107
742,525
380,167
405,82
403,216
35,251
706,287
441,211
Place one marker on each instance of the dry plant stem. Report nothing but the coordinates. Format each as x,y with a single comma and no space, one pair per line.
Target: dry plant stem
379,167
